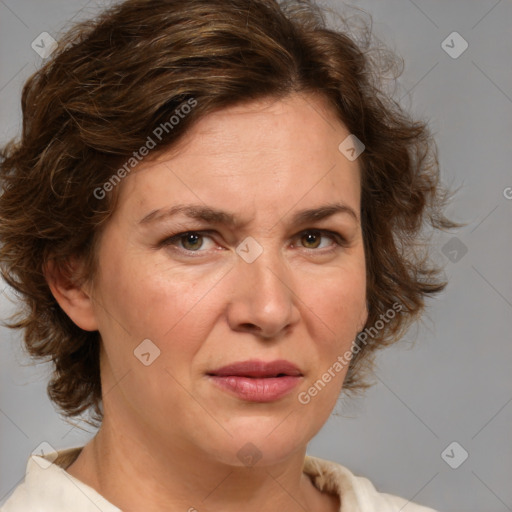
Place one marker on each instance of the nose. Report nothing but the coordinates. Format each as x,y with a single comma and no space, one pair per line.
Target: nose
263,301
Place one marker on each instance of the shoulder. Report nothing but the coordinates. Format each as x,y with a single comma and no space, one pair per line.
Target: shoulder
49,488
357,493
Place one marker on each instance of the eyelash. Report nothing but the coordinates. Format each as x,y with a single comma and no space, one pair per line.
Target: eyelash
337,238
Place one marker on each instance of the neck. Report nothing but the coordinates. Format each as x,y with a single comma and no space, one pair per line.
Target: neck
135,472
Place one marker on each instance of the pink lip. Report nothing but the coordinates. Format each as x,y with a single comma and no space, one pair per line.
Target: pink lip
257,381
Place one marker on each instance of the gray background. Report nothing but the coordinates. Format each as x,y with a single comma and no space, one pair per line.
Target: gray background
449,379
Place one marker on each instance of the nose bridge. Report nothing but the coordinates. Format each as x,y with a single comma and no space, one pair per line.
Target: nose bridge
264,297
267,270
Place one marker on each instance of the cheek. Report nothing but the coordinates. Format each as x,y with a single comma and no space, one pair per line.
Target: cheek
338,301
183,306
173,312
151,300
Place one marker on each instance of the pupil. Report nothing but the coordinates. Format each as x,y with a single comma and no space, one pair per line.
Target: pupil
192,239
310,238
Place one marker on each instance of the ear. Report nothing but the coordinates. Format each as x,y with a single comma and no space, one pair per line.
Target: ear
74,298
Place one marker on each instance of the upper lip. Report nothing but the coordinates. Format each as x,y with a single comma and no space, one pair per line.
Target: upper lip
256,368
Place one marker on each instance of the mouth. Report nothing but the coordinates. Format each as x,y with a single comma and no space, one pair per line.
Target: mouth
258,369
257,381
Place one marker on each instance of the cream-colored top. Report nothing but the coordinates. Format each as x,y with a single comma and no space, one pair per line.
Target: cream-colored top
48,487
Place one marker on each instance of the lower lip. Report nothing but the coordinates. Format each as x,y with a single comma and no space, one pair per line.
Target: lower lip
257,389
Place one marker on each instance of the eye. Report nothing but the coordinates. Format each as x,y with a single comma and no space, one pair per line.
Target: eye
190,241
312,239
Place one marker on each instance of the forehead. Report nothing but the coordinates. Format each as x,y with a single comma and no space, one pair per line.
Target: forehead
268,126
258,153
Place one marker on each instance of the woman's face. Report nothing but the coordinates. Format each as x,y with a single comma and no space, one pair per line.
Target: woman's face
274,284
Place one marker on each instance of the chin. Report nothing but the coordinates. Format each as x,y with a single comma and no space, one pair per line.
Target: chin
250,445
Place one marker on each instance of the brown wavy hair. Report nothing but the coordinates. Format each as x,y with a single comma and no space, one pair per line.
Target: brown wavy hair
116,77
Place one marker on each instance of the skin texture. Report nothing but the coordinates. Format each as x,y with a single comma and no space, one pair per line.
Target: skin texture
169,439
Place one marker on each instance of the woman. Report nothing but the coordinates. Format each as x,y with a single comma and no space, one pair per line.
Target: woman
213,215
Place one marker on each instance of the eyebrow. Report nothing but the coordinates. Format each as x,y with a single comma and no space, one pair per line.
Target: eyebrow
220,217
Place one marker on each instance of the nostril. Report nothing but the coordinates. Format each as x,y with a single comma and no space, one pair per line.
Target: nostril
249,327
